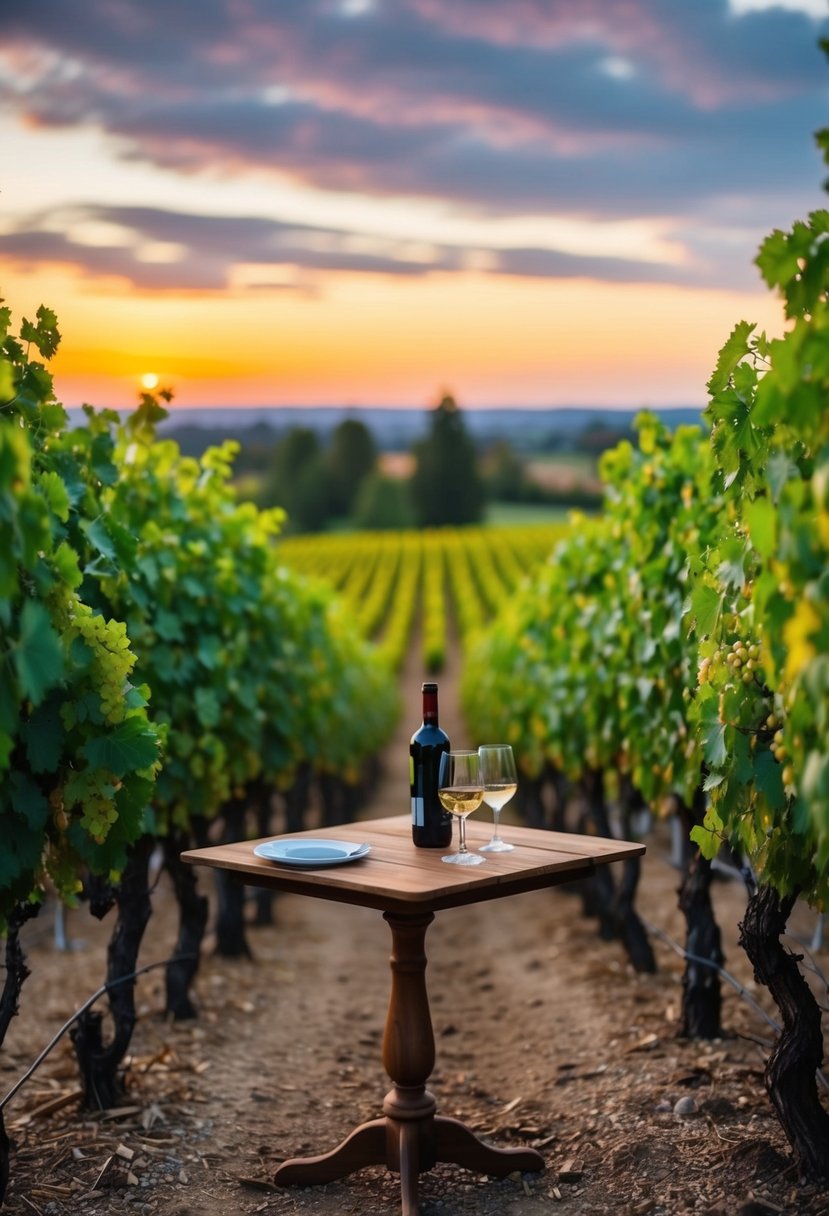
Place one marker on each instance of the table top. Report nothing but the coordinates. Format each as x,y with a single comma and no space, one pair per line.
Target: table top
396,876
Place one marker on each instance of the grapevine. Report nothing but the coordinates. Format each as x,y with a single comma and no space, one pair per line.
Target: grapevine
78,752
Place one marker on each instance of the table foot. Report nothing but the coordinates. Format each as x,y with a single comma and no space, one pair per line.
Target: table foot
409,1148
366,1145
456,1143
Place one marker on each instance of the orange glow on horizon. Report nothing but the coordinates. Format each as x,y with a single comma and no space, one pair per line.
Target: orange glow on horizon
369,340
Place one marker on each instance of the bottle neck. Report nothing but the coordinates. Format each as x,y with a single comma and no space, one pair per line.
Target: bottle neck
430,708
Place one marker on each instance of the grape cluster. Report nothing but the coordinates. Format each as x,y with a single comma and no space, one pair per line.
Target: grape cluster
744,660
99,809
737,661
111,659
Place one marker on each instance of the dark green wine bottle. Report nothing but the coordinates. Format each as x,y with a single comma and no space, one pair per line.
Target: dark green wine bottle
431,824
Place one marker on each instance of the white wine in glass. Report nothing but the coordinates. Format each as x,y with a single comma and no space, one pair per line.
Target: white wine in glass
500,783
460,792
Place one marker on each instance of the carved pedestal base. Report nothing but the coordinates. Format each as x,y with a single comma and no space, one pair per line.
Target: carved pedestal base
410,1138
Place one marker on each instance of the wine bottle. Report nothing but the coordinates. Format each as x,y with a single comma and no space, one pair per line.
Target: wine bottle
431,823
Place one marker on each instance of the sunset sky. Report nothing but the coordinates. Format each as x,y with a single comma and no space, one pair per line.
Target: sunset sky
366,202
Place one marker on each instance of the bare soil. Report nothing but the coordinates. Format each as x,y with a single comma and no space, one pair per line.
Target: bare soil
545,1036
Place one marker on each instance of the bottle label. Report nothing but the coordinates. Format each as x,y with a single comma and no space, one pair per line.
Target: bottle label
416,786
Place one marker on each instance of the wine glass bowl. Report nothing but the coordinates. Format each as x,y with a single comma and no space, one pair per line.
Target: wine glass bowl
500,781
460,791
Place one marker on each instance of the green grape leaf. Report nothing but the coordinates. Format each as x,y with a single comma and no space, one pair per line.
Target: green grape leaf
195,587
815,780
168,625
54,491
131,746
136,698
80,654
704,607
209,652
101,463
43,735
744,437
15,457
124,541
38,658
8,574
778,259
713,744
20,857
147,567
801,818
731,570
761,518
99,538
31,805
44,334
769,780
133,802
712,731
8,701
53,416
65,562
208,709
742,761
707,834
9,867
735,349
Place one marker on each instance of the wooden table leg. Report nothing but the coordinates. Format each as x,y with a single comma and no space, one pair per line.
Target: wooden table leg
410,1138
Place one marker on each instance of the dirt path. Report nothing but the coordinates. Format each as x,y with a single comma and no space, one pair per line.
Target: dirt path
544,1037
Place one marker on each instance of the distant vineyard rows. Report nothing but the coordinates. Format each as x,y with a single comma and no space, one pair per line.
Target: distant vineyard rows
398,583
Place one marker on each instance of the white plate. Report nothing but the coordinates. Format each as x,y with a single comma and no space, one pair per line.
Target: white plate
311,852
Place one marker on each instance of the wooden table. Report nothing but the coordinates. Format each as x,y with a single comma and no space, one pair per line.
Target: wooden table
409,886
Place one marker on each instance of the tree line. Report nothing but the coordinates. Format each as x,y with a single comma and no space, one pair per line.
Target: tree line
322,482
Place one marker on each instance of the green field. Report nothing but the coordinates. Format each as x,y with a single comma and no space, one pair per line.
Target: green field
520,514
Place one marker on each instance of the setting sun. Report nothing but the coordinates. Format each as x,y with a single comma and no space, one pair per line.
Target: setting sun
149,381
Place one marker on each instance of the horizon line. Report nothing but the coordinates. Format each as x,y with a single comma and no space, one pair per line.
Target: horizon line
176,407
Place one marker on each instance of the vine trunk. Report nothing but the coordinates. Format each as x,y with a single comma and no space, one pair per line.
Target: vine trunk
790,1073
100,1064
700,1016
193,911
231,941
17,972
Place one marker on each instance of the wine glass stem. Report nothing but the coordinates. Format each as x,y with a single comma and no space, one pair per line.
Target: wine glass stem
495,815
462,829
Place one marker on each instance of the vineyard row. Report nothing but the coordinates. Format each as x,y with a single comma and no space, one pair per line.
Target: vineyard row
392,581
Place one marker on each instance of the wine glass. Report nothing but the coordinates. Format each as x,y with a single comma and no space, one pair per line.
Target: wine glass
460,792
500,783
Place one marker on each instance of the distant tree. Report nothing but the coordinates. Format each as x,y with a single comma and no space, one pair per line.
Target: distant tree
384,503
309,507
599,435
504,473
297,481
446,486
352,455
256,449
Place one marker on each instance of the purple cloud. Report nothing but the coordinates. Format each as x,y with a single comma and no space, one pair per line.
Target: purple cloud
607,109
205,250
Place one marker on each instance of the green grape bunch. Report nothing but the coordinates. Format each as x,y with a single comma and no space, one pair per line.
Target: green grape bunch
78,751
